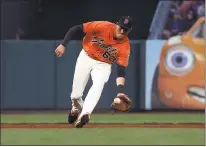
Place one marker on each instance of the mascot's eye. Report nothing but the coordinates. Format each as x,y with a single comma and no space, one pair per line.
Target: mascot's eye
179,60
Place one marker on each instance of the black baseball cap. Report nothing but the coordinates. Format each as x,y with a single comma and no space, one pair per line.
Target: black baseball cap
125,22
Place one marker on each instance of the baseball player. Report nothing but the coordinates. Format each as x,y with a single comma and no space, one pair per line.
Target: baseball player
104,43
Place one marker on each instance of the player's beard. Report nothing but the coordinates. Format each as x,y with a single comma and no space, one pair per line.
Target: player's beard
119,36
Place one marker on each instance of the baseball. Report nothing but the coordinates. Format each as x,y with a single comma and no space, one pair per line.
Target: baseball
117,100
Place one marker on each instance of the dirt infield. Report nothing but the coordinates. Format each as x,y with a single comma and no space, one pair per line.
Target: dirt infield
95,125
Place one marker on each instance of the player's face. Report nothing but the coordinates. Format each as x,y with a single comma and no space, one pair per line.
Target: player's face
120,32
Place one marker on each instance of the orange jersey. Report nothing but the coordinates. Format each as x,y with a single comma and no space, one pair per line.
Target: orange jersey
100,45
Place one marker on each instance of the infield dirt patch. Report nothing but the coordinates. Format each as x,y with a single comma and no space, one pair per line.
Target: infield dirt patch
95,125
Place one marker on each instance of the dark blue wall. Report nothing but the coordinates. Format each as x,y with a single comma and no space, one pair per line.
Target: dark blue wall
51,19
33,77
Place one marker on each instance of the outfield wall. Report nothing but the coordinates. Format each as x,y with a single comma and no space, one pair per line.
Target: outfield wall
32,77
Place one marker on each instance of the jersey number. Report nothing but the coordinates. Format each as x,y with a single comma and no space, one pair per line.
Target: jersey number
107,55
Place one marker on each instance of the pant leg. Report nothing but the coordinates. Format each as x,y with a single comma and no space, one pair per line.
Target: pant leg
100,75
81,76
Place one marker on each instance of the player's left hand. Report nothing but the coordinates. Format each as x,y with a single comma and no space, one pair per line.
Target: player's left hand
124,102
125,98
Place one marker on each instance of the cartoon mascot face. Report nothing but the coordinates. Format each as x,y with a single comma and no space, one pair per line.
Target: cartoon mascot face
181,69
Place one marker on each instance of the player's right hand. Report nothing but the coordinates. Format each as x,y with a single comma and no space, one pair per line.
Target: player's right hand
60,50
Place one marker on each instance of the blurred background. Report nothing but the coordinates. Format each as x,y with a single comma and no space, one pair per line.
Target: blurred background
33,78
51,19
182,15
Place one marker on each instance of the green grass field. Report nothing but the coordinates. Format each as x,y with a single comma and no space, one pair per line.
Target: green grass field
105,136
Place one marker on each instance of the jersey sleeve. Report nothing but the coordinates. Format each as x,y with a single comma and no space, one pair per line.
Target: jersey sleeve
93,27
123,55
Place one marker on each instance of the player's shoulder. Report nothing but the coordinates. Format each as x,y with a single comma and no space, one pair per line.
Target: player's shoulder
105,23
108,23
101,22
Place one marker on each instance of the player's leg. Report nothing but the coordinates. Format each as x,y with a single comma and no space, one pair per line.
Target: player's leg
81,76
100,75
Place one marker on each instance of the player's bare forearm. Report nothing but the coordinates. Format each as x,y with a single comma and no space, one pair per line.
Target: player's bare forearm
120,81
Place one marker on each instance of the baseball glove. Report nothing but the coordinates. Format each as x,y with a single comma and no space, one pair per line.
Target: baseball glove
122,102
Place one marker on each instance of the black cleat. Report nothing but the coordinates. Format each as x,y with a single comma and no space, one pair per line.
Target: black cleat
83,121
72,117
